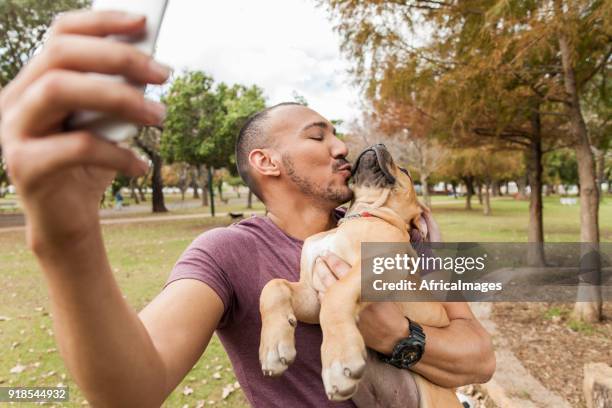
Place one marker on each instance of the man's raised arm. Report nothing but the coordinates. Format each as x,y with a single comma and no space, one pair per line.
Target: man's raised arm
117,358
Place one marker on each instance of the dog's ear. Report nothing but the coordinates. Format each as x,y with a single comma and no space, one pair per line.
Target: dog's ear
420,224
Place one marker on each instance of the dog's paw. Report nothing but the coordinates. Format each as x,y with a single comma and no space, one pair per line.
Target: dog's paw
342,378
342,373
277,348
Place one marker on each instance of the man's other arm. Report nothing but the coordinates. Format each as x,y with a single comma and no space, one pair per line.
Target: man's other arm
117,357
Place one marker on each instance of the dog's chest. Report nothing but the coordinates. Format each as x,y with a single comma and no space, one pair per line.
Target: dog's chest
314,248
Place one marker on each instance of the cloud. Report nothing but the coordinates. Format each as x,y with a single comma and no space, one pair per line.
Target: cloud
281,45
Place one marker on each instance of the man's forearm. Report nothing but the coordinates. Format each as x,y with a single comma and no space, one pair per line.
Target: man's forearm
104,344
459,354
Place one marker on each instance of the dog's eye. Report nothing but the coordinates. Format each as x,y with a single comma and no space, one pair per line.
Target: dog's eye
406,172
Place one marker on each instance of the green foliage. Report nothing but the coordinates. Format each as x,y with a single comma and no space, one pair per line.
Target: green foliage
297,97
556,312
581,327
562,167
235,181
484,69
23,25
203,121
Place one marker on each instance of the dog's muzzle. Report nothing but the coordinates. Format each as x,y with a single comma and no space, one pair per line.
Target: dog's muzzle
372,167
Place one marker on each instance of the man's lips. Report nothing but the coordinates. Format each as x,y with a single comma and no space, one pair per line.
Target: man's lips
346,166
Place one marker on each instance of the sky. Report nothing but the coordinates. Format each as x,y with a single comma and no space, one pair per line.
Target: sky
283,46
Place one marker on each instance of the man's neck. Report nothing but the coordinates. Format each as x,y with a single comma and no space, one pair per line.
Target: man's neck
301,220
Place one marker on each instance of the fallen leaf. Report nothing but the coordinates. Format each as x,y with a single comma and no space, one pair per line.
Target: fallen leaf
227,390
217,376
187,390
4,318
200,404
236,385
17,369
219,367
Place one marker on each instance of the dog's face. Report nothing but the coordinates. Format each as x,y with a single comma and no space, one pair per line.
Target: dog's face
374,173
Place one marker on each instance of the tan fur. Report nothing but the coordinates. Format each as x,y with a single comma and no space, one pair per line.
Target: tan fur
343,352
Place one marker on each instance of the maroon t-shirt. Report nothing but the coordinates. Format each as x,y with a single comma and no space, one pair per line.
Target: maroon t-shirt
236,262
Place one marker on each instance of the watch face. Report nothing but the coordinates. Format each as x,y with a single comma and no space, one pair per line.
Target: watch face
409,355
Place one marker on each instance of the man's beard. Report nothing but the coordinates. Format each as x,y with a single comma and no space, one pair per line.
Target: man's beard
335,194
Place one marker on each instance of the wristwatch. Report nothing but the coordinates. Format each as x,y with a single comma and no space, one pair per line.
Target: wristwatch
408,351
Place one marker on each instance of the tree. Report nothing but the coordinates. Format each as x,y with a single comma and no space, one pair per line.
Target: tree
203,121
148,141
23,25
504,63
194,118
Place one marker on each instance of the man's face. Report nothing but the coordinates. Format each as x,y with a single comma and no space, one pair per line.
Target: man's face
313,158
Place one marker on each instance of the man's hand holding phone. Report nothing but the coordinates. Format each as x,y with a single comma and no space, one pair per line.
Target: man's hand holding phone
61,175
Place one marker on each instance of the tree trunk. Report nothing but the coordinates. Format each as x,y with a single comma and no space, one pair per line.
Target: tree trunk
469,191
204,181
250,199
142,188
479,191
133,194
454,185
535,230
600,163
496,188
425,188
521,186
220,190
486,199
195,174
589,194
211,191
157,184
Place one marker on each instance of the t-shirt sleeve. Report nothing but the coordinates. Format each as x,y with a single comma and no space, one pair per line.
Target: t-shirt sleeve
204,260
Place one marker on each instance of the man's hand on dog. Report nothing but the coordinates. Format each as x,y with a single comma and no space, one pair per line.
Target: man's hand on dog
382,324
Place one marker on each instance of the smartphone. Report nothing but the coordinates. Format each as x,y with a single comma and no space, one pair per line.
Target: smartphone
108,127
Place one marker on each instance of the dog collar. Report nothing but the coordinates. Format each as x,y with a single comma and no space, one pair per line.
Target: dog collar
362,214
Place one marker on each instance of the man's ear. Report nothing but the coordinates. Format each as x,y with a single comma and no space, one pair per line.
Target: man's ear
265,162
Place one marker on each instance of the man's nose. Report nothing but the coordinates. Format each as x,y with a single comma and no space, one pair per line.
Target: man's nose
339,149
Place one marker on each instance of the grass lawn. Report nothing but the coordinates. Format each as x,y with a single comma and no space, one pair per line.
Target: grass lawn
142,256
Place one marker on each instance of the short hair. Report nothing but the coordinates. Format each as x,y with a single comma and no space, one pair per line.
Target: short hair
253,136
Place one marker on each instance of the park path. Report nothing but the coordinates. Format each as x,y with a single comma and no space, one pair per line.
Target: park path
16,222
152,218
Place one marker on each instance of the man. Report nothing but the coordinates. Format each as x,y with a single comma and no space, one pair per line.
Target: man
288,155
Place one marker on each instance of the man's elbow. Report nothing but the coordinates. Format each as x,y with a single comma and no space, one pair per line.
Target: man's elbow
486,359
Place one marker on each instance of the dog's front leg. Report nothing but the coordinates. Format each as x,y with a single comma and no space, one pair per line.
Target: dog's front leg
343,352
280,302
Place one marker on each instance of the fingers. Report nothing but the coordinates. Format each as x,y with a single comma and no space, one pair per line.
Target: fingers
55,94
87,54
336,264
50,154
70,48
98,23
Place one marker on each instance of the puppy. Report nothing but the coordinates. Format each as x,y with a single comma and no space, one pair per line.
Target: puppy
384,208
